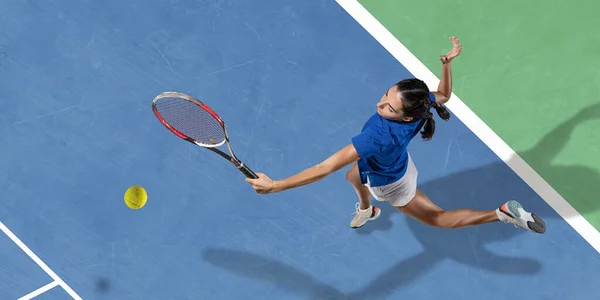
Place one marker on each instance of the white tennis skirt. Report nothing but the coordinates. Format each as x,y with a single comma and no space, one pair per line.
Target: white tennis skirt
400,192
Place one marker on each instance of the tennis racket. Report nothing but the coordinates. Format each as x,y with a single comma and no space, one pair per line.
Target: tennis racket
195,122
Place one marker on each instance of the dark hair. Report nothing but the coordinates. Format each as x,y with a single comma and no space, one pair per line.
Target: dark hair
416,104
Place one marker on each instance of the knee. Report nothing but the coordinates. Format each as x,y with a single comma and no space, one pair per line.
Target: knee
352,176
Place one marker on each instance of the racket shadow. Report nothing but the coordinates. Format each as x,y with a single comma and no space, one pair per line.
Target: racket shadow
578,183
272,272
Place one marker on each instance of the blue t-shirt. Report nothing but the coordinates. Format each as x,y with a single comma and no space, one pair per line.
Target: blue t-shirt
382,147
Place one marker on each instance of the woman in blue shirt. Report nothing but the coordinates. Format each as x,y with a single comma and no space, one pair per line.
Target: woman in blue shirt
382,166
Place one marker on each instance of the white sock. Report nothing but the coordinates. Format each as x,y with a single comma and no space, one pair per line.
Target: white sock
364,210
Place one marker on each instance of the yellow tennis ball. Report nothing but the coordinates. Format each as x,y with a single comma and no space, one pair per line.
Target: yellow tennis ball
135,197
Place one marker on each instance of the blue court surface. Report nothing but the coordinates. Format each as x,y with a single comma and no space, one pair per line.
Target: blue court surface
294,81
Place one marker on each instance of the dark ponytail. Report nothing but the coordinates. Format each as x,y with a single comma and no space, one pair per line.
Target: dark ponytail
417,104
429,126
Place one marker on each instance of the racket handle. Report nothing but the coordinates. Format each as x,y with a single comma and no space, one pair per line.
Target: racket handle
249,173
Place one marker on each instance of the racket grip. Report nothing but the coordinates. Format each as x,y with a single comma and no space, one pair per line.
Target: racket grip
249,173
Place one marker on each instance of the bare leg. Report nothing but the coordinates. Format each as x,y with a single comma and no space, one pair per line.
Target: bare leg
365,211
425,211
361,190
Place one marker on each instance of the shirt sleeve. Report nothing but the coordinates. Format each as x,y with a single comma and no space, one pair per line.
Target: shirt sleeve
431,97
368,143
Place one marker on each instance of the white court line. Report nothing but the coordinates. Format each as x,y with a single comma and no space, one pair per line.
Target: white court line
38,261
474,123
40,291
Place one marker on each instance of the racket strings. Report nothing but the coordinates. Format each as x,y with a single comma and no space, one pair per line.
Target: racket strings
191,120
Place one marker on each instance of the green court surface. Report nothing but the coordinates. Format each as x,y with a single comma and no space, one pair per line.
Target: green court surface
529,71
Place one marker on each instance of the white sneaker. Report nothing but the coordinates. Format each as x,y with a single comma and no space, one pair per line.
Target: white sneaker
513,212
361,217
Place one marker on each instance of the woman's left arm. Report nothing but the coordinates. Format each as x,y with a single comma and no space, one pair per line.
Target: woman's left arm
444,91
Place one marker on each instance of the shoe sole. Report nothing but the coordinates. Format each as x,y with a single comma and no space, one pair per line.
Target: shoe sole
538,225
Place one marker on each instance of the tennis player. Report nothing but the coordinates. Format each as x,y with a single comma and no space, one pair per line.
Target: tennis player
382,166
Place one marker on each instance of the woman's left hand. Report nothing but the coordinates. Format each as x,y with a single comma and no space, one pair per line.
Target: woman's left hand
457,47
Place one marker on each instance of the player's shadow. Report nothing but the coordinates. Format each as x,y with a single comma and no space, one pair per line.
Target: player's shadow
479,188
